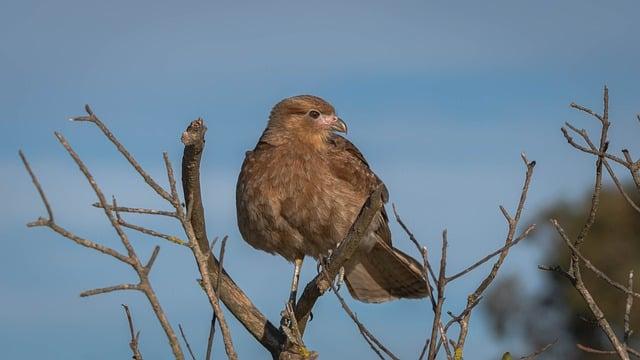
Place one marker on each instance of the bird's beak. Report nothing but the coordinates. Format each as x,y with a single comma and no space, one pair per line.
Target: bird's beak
339,125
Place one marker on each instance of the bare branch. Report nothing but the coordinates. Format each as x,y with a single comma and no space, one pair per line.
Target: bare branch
212,332
558,270
540,351
317,287
627,313
436,327
373,342
174,239
595,199
491,255
421,249
223,247
513,224
90,244
133,344
599,273
194,226
114,223
605,156
588,298
137,210
152,258
620,188
131,259
426,266
592,149
186,342
36,183
109,289
212,329
172,183
92,118
588,349
586,110
294,347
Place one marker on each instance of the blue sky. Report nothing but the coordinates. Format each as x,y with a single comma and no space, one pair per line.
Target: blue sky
441,97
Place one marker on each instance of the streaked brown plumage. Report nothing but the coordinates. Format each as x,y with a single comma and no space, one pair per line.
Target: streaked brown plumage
302,187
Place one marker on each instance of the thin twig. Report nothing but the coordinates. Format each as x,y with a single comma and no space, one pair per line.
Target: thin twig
133,344
599,273
592,151
589,349
174,239
491,255
540,351
130,259
586,110
513,222
627,313
108,289
152,258
426,266
144,285
574,271
436,327
212,329
366,334
146,211
605,157
36,183
421,249
186,342
575,274
595,199
82,241
172,183
92,118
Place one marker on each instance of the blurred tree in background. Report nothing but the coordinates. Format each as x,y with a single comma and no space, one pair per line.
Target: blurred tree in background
555,310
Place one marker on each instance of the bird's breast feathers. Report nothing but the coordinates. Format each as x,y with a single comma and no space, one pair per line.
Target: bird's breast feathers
288,195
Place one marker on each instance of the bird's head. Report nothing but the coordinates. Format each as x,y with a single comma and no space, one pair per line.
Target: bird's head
304,118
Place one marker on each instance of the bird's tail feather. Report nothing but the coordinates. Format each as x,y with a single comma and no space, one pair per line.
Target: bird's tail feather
384,274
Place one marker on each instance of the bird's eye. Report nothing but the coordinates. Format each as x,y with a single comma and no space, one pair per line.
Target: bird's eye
314,114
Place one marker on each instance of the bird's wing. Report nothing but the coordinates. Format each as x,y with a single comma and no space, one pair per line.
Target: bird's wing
349,165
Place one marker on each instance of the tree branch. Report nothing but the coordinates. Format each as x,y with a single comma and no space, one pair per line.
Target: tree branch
92,118
132,259
436,327
133,344
124,209
317,287
473,299
373,342
230,294
186,342
540,351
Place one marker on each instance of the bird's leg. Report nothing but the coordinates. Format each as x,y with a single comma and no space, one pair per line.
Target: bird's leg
293,295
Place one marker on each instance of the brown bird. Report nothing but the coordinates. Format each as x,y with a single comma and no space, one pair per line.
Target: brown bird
300,190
